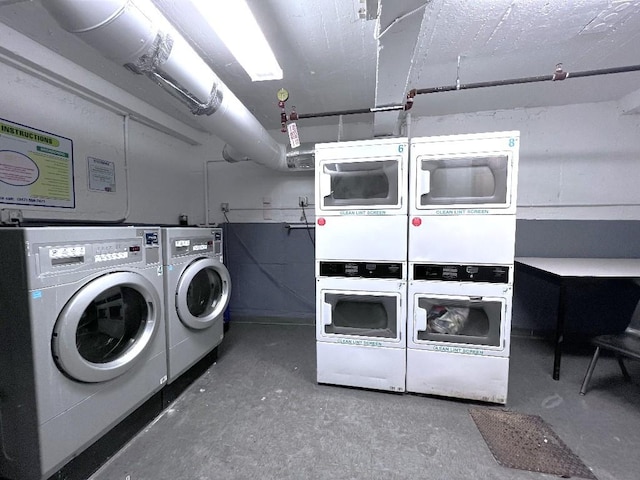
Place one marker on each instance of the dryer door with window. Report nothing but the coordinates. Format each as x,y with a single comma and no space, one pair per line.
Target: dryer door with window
361,315
363,176
461,321
464,174
203,292
106,327
360,184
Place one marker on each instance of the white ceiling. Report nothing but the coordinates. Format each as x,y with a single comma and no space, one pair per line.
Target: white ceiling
332,60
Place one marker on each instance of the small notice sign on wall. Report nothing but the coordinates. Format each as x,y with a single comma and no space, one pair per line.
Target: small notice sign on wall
102,175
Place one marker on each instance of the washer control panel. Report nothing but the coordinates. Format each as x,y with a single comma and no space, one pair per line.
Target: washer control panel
70,256
191,246
107,252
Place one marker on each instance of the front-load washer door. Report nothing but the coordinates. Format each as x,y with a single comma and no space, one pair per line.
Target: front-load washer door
106,327
203,293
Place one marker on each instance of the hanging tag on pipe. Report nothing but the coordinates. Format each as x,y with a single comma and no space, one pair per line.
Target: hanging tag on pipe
294,139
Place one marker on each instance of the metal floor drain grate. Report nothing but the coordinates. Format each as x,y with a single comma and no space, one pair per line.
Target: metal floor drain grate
526,442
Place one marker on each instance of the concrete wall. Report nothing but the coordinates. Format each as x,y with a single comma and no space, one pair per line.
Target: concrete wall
257,194
576,162
577,195
165,173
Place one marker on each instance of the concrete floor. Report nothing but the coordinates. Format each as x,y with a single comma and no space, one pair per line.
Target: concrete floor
259,414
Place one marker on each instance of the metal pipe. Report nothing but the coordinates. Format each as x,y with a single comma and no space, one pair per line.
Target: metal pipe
335,113
518,81
126,154
605,71
382,108
206,194
557,76
299,226
407,122
495,83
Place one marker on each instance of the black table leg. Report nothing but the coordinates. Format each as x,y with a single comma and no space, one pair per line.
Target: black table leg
559,332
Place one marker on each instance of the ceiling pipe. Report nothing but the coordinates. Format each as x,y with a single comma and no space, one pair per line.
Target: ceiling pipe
124,33
383,108
557,76
300,158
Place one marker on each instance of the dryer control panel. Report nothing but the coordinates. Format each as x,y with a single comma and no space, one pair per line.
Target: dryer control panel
361,269
462,273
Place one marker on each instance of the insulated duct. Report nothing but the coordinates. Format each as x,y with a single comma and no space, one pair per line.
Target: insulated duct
300,158
124,33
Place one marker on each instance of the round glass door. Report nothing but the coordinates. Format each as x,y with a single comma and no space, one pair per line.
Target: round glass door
203,293
106,326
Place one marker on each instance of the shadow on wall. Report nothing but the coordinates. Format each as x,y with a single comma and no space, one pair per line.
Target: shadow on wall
593,307
272,271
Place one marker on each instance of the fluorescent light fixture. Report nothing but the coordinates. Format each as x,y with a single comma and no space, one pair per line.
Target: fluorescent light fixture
236,26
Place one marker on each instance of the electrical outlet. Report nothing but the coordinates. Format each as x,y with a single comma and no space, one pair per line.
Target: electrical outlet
10,216
303,201
224,207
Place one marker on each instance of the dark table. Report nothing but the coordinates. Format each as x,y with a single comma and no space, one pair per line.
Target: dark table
562,270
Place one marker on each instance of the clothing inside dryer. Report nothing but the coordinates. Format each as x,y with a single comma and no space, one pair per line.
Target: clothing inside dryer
475,322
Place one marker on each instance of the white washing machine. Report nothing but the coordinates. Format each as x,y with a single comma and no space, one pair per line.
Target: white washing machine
361,200
463,198
459,327
361,324
198,290
82,340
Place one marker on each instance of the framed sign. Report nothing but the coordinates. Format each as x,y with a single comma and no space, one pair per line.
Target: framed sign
36,167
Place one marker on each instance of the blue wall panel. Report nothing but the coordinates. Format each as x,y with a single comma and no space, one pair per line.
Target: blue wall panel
273,273
578,238
600,306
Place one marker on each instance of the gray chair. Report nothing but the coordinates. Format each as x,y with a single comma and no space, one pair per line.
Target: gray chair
625,344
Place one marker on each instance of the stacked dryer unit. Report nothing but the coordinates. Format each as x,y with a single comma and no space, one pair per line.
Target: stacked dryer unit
82,339
361,263
198,290
461,253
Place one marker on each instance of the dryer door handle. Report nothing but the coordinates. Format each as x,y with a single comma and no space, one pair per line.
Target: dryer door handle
326,313
325,186
424,182
420,319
